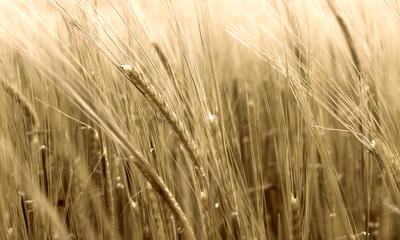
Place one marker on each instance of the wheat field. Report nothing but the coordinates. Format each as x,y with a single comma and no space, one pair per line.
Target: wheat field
199,119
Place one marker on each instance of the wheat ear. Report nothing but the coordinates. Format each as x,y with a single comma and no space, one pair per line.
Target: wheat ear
157,215
108,191
235,225
28,109
159,186
151,93
17,96
78,210
164,59
295,219
348,38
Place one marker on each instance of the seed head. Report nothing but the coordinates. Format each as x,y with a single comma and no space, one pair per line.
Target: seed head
132,72
181,128
173,117
159,98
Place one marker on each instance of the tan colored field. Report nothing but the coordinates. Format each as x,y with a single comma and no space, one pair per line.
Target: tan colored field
167,119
